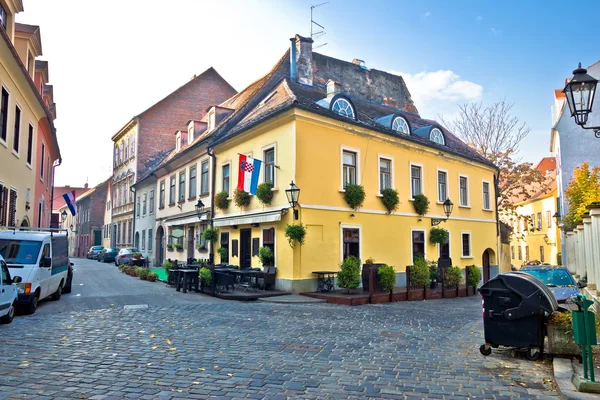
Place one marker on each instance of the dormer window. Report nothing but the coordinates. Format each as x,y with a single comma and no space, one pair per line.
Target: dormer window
178,143
400,125
343,107
191,133
437,136
211,119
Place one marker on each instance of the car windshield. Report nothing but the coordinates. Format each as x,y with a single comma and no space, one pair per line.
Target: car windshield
112,250
19,251
97,248
133,250
552,277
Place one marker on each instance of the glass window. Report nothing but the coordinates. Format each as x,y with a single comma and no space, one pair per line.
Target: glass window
193,182
520,252
269,159
17,133
486,196
181,186
211,120
532,222
269,239
30,145
548,219
466,245
204,178
442,186
144,202
400,125
539,220
20,251
349,168
418,244
343,107
161,195
526,253
151,210
437,136
415,179
385,174
555,277
512,252
542,258
42,163
132,152
225,183
464,191
150,239
138,206
172,191
143,239
351,244
2,17
225,244
4,116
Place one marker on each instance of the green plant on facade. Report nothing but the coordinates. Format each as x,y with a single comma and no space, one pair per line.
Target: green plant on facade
434,271
178,246
390,199
421,204
453,277
211,234
349,275
222,200
264,193
169,246
370,260
201,246
295,234
265,256
205,276
168,265
473,275
438,235
241,198
222,253
419,273
354,195
142,273
387,278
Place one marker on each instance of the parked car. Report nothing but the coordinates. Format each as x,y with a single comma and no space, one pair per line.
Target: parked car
125,255
93,253
41,260
8,294
558,279
108,254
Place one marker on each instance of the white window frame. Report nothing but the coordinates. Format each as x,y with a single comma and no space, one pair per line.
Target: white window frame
388,158
468,205
489,195
5,143
441,134
211,119
30,166
410,165
262,151
412,256
360,239
228,162
439,246
190,133
17,153
353,150
437,184
405,121
470,244
262,228
199,175
178,141
350,106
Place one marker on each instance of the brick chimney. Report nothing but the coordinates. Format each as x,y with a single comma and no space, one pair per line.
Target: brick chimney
301,60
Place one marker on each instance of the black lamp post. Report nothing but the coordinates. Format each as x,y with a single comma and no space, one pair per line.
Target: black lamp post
293,194
557,218
580,93
448,206
63,216
200,208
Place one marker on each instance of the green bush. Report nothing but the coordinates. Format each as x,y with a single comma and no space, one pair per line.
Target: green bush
434,271
205,276
122,267
167,266
295,233
265,255
264,193
419,273
169,246
387,278
349,275
222,253
354,196
421,204
221,200
453,277
473,275
241,198
152,276
438,235
210,234
390,199
142,273
178,246
370,260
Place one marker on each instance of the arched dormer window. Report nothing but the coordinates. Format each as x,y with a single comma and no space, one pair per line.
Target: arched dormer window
400,125
437,136
343,107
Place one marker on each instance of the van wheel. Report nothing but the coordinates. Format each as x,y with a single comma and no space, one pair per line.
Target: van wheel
56,295
31,307
7,319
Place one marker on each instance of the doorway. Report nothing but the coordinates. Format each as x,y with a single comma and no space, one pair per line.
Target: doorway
190,243
160,245
245,248
485,263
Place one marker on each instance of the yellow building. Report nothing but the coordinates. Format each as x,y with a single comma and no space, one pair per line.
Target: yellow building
536,236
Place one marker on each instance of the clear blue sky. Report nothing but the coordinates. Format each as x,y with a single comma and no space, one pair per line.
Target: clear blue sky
110,61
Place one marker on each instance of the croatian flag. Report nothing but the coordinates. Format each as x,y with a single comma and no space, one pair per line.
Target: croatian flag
248,174
70,200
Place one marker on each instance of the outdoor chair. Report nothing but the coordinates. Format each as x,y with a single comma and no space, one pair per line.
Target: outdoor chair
267,278
223,280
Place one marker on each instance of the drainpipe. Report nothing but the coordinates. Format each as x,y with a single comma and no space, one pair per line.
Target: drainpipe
132,189
211,154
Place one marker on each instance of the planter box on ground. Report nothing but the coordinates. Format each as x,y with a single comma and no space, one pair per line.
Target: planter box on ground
378,298
416,294
561,341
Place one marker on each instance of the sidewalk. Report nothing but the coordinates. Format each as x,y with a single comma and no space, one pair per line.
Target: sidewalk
564,369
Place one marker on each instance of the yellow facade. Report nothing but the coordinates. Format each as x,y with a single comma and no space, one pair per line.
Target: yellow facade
308,150
538,239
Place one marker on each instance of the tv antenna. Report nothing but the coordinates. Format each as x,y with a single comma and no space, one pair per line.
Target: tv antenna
315,35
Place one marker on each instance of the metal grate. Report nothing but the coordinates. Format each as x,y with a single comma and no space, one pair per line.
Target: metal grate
303,347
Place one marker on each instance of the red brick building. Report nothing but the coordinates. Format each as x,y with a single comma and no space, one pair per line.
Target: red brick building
89,221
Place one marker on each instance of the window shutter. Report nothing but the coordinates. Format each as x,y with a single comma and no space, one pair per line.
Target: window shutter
234,248
12,211
255,245
3,204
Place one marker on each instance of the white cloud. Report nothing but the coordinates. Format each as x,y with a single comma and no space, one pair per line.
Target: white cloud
439,92
427,14
479,18
496,32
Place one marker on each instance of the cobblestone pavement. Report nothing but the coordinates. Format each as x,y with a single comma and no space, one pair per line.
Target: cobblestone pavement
233,350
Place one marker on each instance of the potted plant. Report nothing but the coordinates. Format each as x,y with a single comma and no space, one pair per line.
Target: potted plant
387,282
434,274
131,271
349,275
438,235
354,195
178,246
560,335
473,279
295,234
265,256
421,204
222,200
418,278
169,246
137,256
211,234
390,199
201,246
205,278
152,276
452,279
222,253
142,273
241,198
264,193
167,266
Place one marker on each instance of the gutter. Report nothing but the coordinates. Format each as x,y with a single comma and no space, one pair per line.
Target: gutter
211,154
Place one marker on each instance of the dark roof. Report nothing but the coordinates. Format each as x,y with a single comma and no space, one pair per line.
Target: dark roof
26,28
41,64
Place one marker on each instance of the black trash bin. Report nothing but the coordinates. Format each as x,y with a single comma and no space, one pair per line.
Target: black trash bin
515,307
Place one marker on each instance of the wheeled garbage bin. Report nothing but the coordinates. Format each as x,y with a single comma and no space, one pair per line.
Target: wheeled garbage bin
515,307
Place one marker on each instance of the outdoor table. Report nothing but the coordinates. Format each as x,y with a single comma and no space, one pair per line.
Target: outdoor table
241,273
325,280
185,277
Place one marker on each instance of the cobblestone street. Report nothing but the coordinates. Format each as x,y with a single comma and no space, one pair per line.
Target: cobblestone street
198,347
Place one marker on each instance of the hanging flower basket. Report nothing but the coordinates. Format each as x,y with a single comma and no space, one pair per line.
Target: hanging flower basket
354,195
241,198
222,201
295,233
264,193
210,234
421,204
390,199
438,235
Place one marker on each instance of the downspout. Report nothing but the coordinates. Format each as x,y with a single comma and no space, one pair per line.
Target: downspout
211,154
132,189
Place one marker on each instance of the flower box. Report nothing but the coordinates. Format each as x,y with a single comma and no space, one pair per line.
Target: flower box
450,293
416,294
378,298
433,294
399,296
561,341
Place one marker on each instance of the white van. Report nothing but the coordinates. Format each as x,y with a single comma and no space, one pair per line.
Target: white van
8,294
41,260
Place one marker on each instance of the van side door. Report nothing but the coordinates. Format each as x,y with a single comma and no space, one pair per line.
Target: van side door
6,290
44,273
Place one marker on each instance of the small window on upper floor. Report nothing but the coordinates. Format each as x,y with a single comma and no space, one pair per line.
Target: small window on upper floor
190,134
400,125
2,17
211,119
437,136
178,143
343,107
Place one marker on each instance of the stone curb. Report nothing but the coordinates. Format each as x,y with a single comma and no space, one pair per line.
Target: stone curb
291,299
563,373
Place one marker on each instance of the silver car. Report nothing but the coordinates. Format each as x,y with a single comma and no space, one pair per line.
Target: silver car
125,255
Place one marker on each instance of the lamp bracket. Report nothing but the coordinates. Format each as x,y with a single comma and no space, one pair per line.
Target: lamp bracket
596,130
436,221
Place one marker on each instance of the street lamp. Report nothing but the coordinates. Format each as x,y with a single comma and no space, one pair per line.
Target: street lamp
580,91
448,206
557,218
293,194
63,216
199,208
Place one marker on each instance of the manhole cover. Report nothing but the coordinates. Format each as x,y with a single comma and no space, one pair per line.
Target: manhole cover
392,334
303,347
530,385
